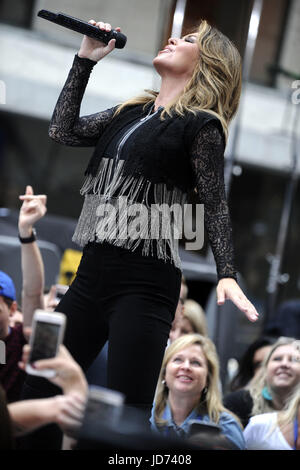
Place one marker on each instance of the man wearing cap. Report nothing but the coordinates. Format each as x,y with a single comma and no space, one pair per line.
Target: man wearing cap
11,377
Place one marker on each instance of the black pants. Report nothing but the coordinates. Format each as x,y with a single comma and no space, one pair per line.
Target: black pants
125,298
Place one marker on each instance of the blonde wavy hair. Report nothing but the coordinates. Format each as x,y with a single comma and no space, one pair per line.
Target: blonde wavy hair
210,402
286,416
289,413
194,313
260,404
215,86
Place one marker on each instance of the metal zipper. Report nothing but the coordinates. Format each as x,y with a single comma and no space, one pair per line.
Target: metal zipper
129,132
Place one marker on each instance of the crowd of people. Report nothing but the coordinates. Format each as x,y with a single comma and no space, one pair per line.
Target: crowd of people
259,411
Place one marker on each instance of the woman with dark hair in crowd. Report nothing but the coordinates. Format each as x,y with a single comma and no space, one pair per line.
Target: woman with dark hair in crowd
251,362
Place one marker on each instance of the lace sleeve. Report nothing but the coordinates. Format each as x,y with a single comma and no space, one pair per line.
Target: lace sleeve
207,158
66,127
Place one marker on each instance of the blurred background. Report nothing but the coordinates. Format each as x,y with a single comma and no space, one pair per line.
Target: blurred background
262,167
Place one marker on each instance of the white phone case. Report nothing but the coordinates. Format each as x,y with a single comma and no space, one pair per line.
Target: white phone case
41,316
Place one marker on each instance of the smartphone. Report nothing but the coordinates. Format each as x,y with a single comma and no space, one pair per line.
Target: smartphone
47,334
104,407
61,289
210,429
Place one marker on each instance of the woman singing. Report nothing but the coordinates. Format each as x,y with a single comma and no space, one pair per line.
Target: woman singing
150,151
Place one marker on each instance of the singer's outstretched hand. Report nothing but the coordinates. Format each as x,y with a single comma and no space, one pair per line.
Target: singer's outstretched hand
96,50
228,288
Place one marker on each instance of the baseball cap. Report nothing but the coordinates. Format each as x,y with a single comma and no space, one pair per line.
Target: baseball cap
7,287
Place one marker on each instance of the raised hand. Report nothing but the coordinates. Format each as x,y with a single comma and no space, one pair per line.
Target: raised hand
93,49
68,412
69,375
32,209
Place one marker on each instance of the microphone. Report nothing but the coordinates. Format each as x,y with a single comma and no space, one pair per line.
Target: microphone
84,27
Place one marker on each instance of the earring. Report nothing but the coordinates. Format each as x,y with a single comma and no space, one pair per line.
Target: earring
164,383
266,394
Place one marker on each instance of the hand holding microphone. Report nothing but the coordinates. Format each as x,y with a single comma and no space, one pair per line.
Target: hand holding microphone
93,49
99,38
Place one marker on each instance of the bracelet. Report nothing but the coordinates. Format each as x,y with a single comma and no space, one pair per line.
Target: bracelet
30,239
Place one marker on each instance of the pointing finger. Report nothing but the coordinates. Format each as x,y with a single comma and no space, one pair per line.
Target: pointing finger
29,189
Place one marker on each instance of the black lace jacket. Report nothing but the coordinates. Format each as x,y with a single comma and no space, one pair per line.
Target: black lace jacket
207,159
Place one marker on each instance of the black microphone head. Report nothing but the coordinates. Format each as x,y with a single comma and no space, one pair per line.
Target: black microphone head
119,37
84,27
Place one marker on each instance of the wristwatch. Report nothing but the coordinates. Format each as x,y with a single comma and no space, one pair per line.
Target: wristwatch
30,239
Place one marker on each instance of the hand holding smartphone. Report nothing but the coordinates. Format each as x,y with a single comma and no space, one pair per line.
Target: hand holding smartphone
47,334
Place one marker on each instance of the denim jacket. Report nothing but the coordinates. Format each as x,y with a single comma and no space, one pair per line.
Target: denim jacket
229,426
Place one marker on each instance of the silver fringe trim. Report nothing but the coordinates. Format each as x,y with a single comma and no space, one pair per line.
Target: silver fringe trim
110,198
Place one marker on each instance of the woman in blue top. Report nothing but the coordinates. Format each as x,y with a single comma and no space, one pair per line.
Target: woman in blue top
188,389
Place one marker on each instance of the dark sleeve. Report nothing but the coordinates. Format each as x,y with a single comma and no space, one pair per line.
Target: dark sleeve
207,158
66,127
240,403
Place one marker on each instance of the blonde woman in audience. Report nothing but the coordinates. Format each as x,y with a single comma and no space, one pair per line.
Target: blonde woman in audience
271,388
277,430
190,318
194,320
188,389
